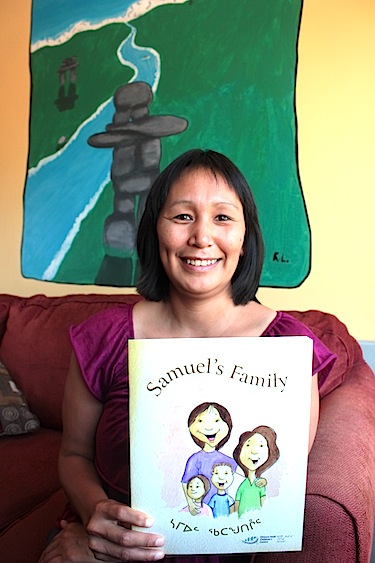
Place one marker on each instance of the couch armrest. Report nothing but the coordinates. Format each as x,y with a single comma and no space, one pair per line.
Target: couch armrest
342,460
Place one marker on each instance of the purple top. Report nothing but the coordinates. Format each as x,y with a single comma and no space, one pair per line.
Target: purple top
101,346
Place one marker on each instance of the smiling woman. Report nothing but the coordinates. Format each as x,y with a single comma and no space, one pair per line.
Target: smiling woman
201,255
203,198
201,234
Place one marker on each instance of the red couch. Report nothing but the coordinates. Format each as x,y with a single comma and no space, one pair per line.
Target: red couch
340,499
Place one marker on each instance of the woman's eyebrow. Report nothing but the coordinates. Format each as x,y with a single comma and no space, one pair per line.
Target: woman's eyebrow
190,202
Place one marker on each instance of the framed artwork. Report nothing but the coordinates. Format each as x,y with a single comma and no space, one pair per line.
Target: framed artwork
120,89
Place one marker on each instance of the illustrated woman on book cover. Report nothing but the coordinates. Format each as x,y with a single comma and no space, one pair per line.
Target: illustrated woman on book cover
256,451
210,426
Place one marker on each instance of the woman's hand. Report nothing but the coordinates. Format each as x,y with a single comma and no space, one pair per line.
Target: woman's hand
106,538
109,534
71,545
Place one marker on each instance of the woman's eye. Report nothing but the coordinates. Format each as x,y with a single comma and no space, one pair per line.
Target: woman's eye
183,217
222,217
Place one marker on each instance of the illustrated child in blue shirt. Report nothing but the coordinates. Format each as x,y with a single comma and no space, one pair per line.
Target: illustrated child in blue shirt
222,504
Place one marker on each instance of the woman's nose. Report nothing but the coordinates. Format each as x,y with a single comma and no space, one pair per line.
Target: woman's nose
201,234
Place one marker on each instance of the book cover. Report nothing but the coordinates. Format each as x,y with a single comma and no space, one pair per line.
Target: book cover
219,441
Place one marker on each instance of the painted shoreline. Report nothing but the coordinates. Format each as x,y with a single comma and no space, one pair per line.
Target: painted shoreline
136,10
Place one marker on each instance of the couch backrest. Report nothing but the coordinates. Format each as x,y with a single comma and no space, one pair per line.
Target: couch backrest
336,337
35,344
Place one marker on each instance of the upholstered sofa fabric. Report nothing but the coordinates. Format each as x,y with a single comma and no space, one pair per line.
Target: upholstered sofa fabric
36,348
340,498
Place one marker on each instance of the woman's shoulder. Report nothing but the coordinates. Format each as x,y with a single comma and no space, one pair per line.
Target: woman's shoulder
100,345
254,319
103,335
147,317
107,319
283,324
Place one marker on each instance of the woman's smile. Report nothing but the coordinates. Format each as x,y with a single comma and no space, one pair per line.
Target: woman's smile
200,264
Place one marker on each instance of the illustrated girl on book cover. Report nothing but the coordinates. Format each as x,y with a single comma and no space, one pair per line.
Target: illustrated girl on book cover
197,488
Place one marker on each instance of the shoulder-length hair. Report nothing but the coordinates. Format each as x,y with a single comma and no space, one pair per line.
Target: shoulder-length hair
273,451
153,283
224,415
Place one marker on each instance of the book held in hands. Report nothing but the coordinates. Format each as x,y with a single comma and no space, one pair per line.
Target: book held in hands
219,432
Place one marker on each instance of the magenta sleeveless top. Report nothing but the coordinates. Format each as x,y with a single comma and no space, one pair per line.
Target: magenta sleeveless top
101,347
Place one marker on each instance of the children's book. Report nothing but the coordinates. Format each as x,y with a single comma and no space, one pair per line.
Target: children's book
219,433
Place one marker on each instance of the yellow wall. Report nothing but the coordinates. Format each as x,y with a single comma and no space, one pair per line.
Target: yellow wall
336,138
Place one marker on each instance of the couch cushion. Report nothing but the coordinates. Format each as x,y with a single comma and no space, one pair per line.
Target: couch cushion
36,348
4,308
15,416
28,472
336,337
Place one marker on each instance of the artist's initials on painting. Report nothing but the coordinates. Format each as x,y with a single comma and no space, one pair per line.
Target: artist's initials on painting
277,257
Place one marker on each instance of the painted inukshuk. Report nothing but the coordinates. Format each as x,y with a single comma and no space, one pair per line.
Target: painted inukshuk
135,137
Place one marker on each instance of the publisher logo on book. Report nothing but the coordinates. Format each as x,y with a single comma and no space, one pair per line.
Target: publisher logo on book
251,539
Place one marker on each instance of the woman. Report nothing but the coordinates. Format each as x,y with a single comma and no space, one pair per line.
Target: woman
210,426
255,452
201,254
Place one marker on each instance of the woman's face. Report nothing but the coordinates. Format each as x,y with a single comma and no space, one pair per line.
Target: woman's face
254,452
209,427
201,232
196,489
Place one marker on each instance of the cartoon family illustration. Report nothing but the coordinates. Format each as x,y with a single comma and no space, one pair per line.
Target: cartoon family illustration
209,472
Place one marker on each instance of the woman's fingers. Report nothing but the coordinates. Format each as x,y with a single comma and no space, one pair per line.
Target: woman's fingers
112,521
138,552
110,534
128,545
117,512
69,546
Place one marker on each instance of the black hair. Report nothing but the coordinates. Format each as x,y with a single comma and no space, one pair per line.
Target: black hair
153,283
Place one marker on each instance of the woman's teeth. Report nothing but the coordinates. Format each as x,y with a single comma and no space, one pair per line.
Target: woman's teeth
200,262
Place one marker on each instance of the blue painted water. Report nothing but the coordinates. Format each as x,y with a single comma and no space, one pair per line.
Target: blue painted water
63,188
51,18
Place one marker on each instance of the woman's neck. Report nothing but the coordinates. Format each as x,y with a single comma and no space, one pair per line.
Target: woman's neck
199,318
